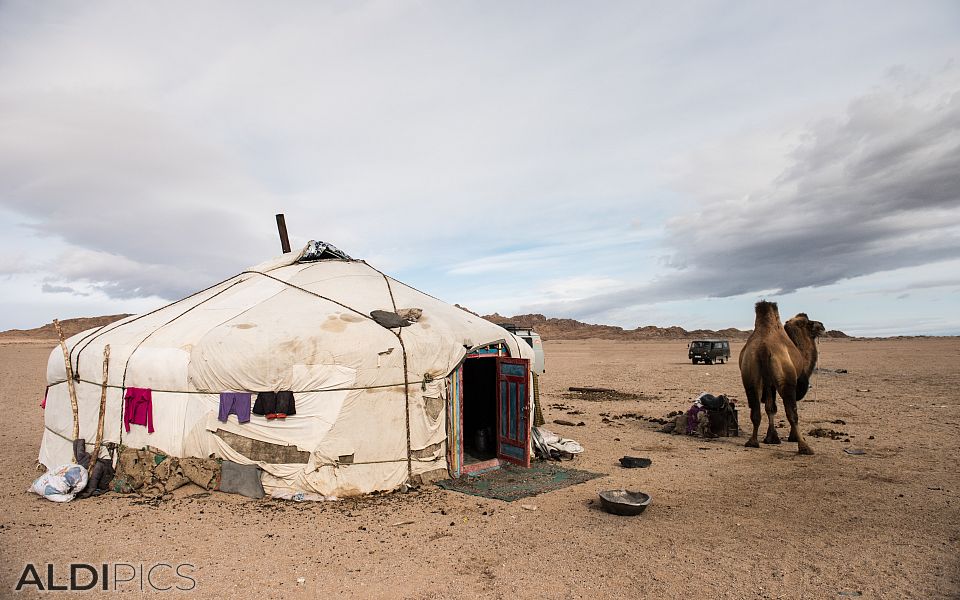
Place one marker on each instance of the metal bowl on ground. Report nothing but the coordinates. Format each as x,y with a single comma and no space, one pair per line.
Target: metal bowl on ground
634,462
624,502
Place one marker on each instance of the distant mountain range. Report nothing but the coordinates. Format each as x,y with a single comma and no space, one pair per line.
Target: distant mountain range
549,329
571,329
70,327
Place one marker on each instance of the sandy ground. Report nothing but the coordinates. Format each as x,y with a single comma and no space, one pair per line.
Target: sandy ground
726,522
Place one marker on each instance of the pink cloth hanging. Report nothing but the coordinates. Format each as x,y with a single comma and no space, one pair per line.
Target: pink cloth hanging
139,408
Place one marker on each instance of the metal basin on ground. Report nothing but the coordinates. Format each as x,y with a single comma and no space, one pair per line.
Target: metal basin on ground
624,502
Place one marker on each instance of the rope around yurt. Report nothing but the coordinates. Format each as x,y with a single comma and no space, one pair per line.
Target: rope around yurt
107,328
406,378
126,365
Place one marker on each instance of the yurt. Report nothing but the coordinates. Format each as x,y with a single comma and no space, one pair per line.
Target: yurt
332,377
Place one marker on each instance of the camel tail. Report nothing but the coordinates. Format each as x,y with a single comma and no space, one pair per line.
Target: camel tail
767,378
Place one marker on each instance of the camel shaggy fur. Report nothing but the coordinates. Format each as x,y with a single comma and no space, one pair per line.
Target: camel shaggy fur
778,358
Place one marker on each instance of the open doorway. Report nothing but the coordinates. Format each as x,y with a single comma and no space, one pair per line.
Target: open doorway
479,410
490,414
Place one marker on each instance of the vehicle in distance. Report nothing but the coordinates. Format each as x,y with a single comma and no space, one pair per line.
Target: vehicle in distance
708,351
533,338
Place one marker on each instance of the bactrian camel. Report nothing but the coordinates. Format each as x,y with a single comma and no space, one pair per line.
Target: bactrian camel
778,359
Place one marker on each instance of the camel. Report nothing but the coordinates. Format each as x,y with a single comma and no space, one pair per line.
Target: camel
778,358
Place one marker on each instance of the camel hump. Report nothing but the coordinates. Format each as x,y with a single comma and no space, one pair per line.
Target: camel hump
764,308
768,315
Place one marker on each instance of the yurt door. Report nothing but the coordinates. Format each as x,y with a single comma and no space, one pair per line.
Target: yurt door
513,410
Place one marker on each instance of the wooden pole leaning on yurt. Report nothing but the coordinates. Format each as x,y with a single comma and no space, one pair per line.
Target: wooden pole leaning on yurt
70,385
103,407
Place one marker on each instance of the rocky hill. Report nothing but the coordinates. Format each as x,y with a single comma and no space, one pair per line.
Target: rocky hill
70,327
571,329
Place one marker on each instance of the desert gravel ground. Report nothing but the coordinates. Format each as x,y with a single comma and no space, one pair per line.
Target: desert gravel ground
725,522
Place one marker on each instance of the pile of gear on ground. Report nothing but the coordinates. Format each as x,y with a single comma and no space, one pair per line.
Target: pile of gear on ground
147,472
709,417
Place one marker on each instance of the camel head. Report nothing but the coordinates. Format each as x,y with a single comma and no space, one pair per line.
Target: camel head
802,324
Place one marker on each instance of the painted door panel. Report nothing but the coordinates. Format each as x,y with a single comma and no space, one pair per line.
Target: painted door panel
513,410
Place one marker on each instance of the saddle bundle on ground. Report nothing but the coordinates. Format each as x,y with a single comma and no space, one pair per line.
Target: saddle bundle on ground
708,416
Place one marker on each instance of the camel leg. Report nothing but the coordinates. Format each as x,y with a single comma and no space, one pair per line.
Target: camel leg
754,401
790,407
770,405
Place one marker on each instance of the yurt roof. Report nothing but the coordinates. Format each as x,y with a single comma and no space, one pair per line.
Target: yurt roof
287,324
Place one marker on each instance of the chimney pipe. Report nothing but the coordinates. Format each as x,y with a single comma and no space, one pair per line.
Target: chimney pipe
282,228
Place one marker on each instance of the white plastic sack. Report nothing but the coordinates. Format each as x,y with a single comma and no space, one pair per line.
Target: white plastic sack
62,483
553,441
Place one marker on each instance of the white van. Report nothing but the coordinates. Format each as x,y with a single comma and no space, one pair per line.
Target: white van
533,338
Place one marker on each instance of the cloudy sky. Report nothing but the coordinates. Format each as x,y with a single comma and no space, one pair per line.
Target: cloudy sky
625,163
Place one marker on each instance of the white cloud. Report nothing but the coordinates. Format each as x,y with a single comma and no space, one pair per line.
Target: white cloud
484,151
874,190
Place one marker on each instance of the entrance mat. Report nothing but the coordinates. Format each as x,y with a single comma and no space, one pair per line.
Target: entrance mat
511,482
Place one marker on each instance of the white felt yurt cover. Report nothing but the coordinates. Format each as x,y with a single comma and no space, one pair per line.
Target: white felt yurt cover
282,325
